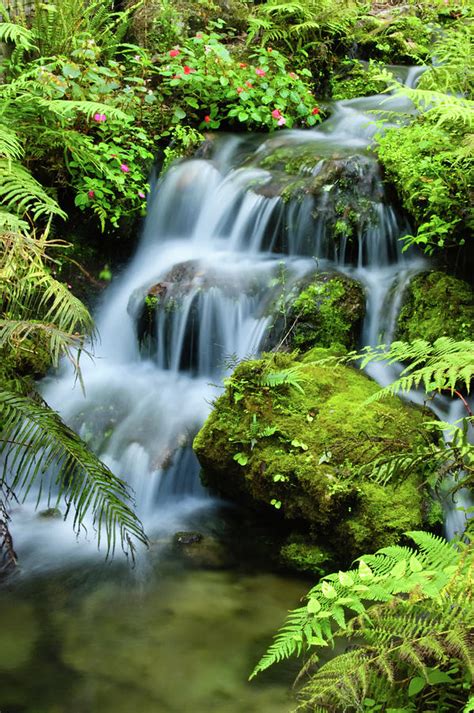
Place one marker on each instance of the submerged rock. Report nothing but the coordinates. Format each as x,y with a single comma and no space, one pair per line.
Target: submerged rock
201,551
293,436
436,305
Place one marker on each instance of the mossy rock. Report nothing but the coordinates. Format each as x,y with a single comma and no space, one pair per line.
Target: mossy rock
299,449
436,305
324,309
328,311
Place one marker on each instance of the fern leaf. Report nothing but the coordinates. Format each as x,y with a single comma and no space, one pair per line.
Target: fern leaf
85,483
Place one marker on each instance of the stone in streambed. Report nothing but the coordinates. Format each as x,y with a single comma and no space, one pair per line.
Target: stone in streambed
298,450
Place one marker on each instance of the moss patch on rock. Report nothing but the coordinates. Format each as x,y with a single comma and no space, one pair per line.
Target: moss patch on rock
328,311
298,449
436,305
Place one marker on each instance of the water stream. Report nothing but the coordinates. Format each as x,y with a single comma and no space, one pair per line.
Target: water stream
218,237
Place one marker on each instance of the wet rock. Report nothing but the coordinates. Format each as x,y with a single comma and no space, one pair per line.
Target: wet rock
325,309
436,305
50,514
300,450
201,551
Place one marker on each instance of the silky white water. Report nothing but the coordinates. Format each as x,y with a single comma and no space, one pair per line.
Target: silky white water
217,238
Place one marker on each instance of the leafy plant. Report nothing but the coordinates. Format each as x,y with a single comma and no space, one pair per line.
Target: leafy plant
213,87
35,445
406,614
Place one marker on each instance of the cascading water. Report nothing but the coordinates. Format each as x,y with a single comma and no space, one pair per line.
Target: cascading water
199,293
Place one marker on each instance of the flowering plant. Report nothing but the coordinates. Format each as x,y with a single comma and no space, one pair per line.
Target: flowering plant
211,86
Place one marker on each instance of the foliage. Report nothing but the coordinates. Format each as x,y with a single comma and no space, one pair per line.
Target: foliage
430,159
352,79
39,312
80,118
301,27
35,440
184,140
407,615
212,86
444,365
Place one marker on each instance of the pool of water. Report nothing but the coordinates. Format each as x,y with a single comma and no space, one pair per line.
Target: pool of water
171,639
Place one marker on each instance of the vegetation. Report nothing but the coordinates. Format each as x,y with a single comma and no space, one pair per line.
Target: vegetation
90,98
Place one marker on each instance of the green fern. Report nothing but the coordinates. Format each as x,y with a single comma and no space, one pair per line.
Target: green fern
441,366
85,483
407,610
286,377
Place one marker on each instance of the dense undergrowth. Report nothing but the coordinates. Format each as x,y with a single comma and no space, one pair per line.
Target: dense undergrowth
90,98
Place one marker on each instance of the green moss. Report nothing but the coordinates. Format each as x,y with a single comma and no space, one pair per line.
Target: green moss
304,557
436,305
353,80
329,311
302,450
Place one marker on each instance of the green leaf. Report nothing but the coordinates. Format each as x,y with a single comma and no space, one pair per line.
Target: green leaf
313,605
241,458
328,590
417,684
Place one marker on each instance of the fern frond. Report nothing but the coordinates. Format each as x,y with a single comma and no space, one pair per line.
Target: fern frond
437,367
18,35
85,483
288,641
286,377
21,193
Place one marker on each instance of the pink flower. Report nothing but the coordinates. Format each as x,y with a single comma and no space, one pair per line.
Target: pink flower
91,194
141,194
292,75
239,90
260,72
124,167
207,119
99,117
276,114
173,53
281,121
188,70
199,35
315,110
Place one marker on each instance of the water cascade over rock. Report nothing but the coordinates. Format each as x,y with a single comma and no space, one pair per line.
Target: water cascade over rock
226,240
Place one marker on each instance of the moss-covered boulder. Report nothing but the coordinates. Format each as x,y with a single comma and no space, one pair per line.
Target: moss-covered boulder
436,305
293,437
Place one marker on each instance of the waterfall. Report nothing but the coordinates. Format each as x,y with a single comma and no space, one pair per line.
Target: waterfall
218,233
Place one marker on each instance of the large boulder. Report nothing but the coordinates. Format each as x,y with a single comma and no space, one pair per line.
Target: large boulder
436,305
292,437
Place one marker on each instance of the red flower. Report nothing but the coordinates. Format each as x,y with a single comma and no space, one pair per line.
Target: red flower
188,70
173,53
276,114
239,90
242,65
248,84
207,119
91,194
315,110
260,72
